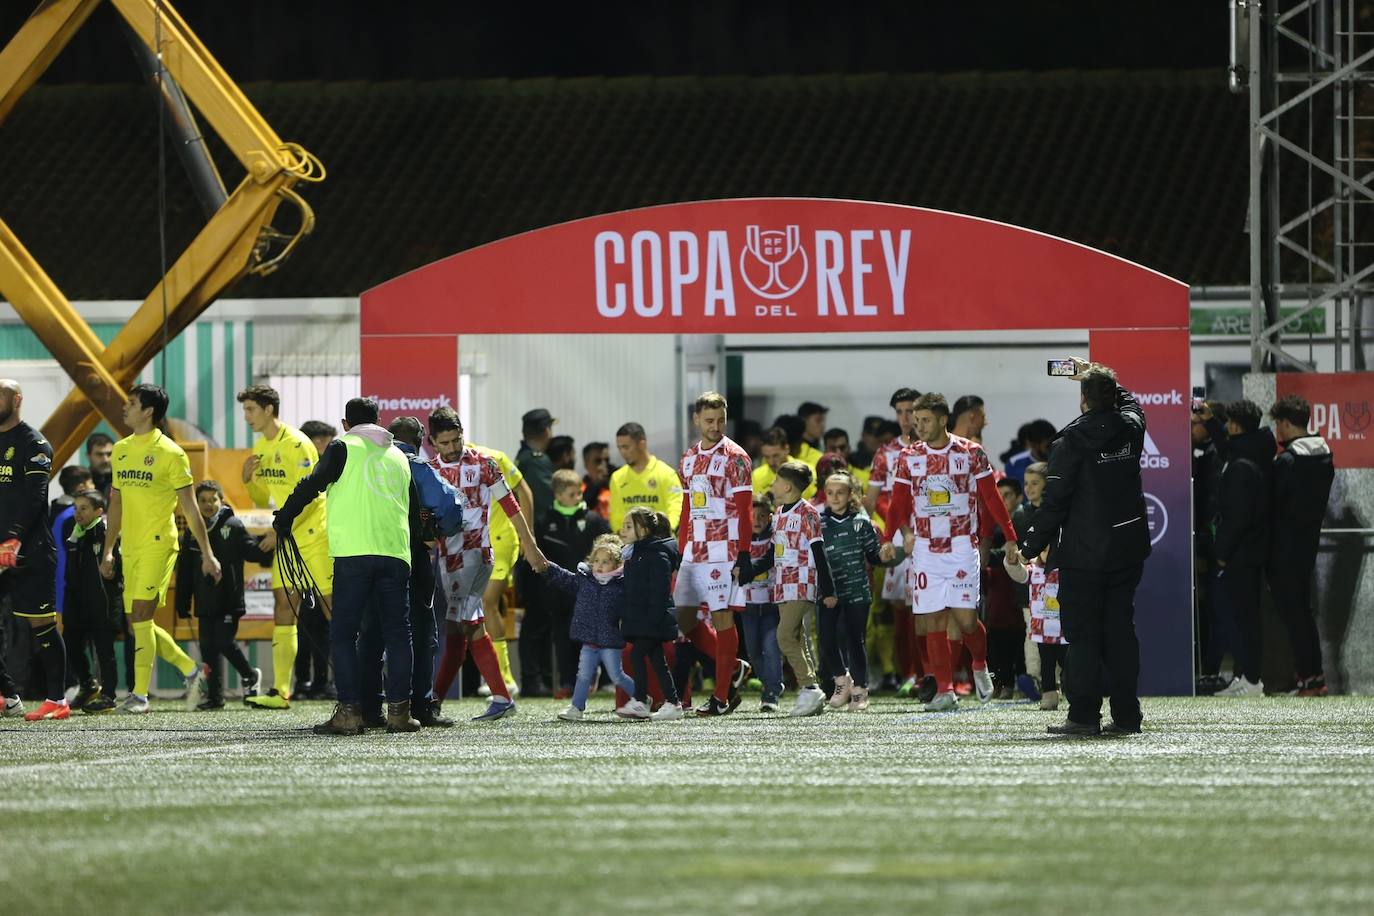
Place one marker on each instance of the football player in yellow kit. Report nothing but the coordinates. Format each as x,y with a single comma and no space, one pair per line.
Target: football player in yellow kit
281,458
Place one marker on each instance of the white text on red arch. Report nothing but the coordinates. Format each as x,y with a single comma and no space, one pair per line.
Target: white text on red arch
859,272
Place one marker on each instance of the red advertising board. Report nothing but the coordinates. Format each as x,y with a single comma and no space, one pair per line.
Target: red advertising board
1342,411
790,265
410,375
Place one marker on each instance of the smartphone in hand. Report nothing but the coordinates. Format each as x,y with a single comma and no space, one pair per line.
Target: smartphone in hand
1061,368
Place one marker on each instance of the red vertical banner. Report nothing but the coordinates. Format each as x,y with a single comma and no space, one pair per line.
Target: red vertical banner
1342,411
1154,365
410,375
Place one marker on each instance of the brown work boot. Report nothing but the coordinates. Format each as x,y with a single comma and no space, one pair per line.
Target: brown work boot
398,718
347,720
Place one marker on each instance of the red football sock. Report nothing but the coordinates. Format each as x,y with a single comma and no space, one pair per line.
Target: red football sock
977,642
922,652
727,644
484,654
703,636
938,647
455,651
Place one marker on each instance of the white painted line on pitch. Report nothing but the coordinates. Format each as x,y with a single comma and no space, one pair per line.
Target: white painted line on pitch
136,756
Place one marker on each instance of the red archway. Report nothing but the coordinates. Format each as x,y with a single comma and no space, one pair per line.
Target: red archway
773,265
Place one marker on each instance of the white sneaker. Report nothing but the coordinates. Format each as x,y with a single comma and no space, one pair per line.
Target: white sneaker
633,710
982,683
133,705
197,683
253,689
858,699
1049,700
668,712
809,702
513,689
571,714
13,707
943,702
1240,687
483,690
844,687
768,706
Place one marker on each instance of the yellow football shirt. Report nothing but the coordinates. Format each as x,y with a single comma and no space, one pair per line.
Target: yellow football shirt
148,471
658,488
500,523
283,461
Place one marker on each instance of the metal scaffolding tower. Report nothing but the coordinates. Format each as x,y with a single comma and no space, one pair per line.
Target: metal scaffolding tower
1309,69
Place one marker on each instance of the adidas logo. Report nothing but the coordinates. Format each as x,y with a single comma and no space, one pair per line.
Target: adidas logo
1150,456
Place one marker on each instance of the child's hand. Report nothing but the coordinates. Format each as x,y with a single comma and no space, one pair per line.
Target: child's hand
887,552
830,602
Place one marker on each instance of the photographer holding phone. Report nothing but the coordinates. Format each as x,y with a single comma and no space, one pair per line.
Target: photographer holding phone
1092,517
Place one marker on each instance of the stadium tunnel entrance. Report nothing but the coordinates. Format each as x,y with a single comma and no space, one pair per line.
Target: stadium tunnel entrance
699,282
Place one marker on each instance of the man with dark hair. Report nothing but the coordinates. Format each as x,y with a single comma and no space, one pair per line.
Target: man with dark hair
1242,536
1092,517
596,493
99,448
1037,436
776,450
536,633
967,418
813,418
441,515
642,480
372,499
152,479
282,457
320,433
73,479
28,557
1303,474
533,460
749,435
862,457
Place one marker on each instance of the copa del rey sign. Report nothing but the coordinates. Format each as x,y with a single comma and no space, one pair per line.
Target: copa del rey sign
776,265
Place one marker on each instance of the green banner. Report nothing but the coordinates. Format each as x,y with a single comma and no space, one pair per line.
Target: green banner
1235,321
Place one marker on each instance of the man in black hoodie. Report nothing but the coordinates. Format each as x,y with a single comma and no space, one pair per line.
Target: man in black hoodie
1092,517
1241,545
1303,473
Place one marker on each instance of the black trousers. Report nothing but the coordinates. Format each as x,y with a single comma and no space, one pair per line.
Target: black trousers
1242,584
1292,591
645,652
217,642
1006,655
1097,609
312,660
841,629
536,635
77,633
1052,657
565,651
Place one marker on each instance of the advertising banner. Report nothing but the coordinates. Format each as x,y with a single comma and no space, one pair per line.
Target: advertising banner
1342,411
1153,364
410,375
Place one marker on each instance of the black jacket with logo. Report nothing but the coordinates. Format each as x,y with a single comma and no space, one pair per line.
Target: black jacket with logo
1242,502
1303,473
1092,515
233,545
25,466
89,597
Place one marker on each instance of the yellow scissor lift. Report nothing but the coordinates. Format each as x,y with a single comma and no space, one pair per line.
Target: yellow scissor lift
237,239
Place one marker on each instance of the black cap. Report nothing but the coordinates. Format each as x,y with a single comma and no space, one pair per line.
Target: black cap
538,417
811,407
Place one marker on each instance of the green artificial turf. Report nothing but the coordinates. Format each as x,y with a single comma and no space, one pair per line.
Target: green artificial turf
1247,805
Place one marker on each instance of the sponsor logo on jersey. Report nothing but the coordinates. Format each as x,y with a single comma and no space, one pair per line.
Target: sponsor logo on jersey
274,473
130,475
9,453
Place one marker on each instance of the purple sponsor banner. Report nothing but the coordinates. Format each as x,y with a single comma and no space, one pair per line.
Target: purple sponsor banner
1153,364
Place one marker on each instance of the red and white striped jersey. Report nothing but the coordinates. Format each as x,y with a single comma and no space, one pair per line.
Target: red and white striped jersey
480,479
794,569
760,591
1044,606
943,485
710,479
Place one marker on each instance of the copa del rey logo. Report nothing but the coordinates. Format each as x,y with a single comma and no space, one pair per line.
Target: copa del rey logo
717,272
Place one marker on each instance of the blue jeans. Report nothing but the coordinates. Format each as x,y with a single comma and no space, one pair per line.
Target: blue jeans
760,622
587,662
371,585
424,633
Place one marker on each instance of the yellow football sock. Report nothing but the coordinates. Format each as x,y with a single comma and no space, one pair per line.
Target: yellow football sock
145,654
503,659
283,658
167,648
